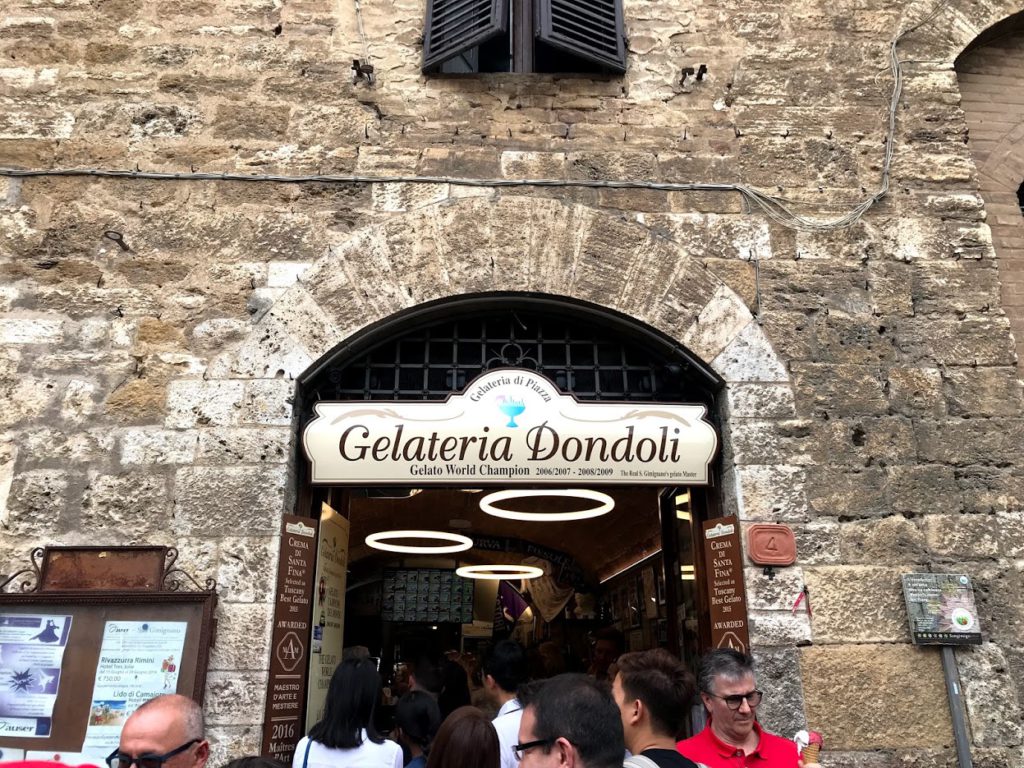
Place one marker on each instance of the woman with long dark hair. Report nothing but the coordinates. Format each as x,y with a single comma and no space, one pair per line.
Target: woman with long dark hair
346,736
417,719
466,740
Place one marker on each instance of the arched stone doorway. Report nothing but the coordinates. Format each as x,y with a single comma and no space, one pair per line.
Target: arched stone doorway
530,246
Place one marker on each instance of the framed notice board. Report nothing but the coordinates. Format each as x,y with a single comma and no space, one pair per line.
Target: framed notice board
74,664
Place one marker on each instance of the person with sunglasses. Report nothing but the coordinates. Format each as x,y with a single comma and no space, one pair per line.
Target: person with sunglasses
732,737
164,732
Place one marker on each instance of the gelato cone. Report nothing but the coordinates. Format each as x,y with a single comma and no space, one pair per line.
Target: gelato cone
809,743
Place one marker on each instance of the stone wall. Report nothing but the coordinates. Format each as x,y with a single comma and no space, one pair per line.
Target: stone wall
873,397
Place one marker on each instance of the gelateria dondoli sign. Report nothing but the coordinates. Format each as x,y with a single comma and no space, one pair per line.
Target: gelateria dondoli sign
509,426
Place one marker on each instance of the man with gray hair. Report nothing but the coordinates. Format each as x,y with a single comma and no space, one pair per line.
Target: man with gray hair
732,736
164,732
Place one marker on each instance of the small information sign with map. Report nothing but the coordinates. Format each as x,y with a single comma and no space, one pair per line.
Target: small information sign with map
941,608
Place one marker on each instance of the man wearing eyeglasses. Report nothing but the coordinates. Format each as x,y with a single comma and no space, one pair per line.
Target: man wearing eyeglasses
165,732
732,737
570,721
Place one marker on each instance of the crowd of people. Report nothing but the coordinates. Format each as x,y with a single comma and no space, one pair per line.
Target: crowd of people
631,715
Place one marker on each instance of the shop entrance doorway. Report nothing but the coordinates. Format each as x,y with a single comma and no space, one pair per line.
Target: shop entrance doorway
628,580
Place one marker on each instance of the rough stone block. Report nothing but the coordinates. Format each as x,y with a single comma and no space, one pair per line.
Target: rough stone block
923,489
772,442
79,401
889,541
717,325
35,330
771,493
228,742
247,645
268,402
864,441
391,197
778,675
970,441
749,357
36,504
846,492
235,698
284,274
158,446
991,697
246,567
134,505
8,457
226,500
26,399
839,390
990,489
984,391
864,718
48,447
997,589
974,537
238,445
857,604
138,401
772,594
203,403
817,542
772,629
760,401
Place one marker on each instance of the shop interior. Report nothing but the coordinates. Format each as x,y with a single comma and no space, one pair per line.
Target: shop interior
625,577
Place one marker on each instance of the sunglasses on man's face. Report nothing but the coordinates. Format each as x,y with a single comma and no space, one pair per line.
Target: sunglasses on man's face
119,759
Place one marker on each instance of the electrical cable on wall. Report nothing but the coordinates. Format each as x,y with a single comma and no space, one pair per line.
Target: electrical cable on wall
773,207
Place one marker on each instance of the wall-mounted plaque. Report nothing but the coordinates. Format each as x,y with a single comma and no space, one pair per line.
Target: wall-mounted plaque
941,609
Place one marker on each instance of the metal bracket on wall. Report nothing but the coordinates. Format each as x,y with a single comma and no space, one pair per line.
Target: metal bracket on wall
32,574
176,580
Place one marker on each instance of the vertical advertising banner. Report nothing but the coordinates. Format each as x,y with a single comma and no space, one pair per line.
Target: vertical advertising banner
328,609
727,597
289,653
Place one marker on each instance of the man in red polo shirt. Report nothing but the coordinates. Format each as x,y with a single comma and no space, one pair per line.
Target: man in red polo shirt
733,738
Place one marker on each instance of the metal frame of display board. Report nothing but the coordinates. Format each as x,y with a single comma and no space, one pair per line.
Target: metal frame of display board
90,611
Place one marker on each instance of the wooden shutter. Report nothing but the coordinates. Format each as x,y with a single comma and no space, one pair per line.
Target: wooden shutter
455,26
589,29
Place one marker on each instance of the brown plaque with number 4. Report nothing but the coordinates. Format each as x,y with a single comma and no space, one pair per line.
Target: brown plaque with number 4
769,544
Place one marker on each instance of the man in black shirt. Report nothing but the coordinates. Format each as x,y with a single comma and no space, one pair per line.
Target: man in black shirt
653,691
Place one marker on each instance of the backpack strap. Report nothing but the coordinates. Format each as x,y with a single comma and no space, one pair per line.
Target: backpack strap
638,761
305,758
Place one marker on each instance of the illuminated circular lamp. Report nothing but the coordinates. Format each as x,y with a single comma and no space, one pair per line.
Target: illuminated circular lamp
604,504
499,572
458,542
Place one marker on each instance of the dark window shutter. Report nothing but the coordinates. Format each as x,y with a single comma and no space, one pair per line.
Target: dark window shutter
455,26
589,29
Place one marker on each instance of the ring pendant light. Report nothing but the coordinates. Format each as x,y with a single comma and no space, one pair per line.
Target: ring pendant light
457,542
605,504
499,572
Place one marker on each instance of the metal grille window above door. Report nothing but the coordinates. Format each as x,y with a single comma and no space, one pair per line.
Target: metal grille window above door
554,36
584,359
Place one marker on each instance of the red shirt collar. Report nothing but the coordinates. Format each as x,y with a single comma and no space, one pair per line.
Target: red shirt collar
728,750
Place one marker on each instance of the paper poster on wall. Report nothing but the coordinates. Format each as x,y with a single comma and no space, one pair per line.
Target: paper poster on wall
138,660
31,651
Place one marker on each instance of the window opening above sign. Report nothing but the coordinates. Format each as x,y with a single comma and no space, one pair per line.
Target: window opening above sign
552,36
